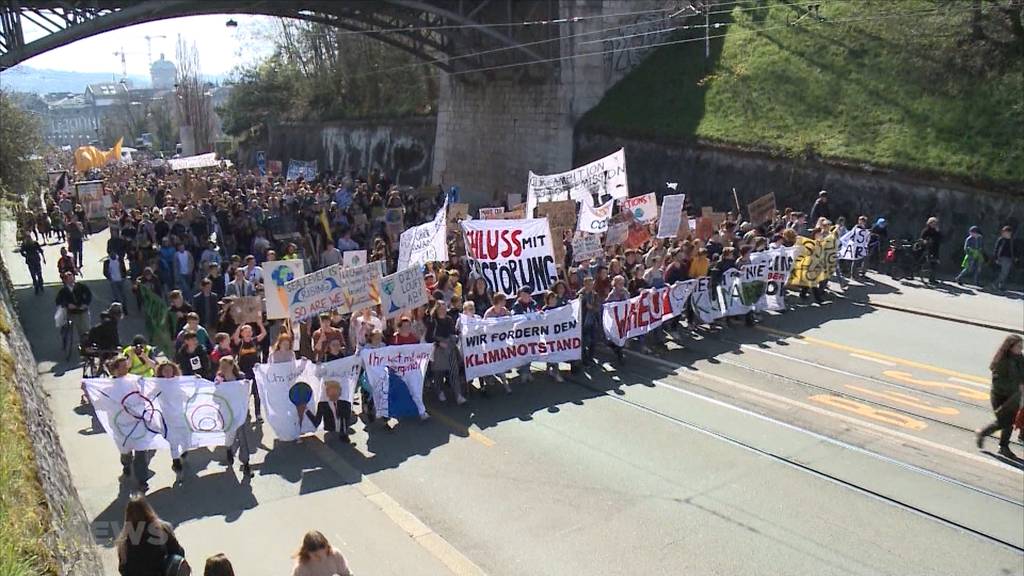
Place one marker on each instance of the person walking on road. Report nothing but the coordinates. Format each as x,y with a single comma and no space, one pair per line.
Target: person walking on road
932,237
1007,388
147,545
317,557
820,209
32,252
75,297
1004,256
971,265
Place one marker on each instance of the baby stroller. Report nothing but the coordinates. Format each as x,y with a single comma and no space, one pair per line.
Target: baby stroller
906,259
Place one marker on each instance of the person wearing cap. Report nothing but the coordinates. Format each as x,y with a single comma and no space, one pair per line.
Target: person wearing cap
973,256
878,242
820,209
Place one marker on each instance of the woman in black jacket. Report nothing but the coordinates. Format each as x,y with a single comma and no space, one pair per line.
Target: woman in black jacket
146,543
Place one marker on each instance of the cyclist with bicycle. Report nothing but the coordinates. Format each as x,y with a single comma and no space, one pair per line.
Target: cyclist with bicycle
75,298
932,237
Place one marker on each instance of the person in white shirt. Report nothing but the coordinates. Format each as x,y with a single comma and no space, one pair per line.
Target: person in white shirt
184,266
253,273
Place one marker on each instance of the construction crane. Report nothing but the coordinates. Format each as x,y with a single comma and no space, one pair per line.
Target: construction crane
149,47
124,65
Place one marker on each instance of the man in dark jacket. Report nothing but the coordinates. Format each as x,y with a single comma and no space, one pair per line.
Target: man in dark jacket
192,358
75,298
820,209
205,303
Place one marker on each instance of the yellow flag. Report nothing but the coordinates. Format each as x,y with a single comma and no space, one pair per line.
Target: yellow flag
326,225
89,157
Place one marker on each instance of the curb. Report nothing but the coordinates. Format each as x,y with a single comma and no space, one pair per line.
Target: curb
950,318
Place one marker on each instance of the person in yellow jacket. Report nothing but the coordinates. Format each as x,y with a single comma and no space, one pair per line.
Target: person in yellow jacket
140,357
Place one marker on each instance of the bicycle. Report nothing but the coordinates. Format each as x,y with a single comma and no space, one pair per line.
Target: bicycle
67,336
94,361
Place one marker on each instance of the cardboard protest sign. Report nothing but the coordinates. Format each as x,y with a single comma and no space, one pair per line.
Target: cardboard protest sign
586,246
247,309
761,210
277,273
561,217
427,242
705,228
493,213
496,345
639,315
672,216
511,254
815,261
617,234
854,244
275,167
316,292
603,176
395,377
90,196
643,208
457,212
287,390
353,258
706,210
637,234
360,287
594,219
402,290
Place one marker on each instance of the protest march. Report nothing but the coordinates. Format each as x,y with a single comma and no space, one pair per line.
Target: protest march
308,300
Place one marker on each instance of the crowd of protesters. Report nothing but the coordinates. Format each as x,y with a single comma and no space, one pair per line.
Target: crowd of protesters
198,242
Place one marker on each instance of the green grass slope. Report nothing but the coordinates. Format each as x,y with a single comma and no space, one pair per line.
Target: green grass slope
926,86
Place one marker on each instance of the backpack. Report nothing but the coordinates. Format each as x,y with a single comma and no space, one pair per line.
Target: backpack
176,565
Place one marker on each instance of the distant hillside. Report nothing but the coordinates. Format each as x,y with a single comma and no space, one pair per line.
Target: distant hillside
927,86
28,79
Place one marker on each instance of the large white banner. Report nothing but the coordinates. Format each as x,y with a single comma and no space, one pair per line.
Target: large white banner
511,254
594,219
705,301
671,215
199,412
604,176
402,290
854,244
158,413
276,274
306,169
199,161
395,376
742,288
314,293
424,243
645,312
287,390
344,372
643,208
780,264
497,345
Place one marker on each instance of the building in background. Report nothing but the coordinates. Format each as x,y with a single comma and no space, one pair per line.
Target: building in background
163,74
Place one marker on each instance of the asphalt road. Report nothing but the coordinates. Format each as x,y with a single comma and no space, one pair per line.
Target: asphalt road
829,440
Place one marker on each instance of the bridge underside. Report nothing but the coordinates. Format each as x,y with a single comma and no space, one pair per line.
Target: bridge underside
439,31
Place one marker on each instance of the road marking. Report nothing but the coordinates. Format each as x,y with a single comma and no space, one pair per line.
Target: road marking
860,409
985,386
435,545
906,400
460,428
962,391
881,430
875,355
870,359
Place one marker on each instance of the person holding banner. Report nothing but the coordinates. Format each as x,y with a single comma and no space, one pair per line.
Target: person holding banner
443,336
247,349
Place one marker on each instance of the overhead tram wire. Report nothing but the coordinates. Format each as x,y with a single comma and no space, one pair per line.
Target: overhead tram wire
702,39
558,39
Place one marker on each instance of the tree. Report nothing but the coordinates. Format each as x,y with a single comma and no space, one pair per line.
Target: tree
20,149
193,100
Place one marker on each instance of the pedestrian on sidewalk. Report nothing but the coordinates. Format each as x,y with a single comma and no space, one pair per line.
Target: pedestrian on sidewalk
32,252
147,545
932,237
317,557
1007,388
1004,256
971,264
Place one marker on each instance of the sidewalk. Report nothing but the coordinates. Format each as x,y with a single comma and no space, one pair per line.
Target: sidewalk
946,300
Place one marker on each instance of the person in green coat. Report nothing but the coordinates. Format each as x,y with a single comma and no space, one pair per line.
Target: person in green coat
1007,385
